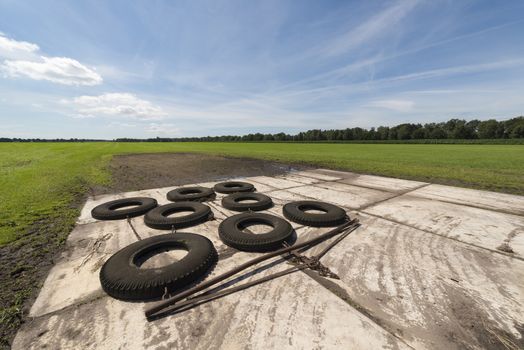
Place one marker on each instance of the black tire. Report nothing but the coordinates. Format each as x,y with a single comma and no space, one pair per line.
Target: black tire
122,278
230,232
195,193
112,210
234,201
158,217
332,216
233,187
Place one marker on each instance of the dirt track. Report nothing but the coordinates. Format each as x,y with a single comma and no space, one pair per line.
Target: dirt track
143,171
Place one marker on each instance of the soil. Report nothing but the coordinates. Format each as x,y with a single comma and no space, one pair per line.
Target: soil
25,264
27,261
143,171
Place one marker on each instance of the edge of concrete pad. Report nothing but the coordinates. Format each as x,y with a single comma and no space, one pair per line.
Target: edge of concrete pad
502,202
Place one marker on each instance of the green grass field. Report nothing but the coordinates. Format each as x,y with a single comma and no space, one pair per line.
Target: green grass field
41,180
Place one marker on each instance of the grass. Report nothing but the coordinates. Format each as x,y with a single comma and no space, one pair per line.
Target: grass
41,180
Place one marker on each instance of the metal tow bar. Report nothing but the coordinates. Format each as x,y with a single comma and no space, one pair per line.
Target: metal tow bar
176,303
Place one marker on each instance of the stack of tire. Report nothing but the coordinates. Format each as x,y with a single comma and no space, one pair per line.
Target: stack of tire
122,275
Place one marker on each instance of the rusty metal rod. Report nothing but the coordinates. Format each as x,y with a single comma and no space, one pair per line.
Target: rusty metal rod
190,303
165,303
205,297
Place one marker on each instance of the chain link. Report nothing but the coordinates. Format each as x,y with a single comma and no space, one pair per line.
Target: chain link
312,263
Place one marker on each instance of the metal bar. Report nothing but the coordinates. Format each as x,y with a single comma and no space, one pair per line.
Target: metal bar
203,298
133,228
165,303
206,297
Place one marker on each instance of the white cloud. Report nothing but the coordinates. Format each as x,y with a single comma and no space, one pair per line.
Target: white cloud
13,49
22,59
116,105
164,128
395,105
60,70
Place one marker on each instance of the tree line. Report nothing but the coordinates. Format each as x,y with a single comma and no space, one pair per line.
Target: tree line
18,139
452,129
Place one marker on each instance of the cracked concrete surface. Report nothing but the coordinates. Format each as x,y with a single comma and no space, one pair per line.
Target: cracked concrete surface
424,271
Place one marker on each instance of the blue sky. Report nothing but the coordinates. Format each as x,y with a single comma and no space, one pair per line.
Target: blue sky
107,69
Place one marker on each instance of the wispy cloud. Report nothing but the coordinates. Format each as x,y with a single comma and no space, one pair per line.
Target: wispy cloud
322,87
395,105
116,105
375,26
22,59
163,129
457,70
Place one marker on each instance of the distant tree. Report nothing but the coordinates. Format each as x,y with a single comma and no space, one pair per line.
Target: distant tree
438,133
419,134
383,132
371,134
358,134
515,127
488,129
517,132
404,131
393,133
459,131
280,137
348,134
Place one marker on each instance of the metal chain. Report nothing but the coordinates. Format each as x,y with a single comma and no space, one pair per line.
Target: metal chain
312,263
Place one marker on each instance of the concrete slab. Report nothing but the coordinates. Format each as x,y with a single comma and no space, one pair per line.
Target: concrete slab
89,245
260,187
348,196
507,203
428,289
277,183
383,183
286,196
300,312
105,237
483,228
293,312
74,278
371,181
335,173
70,282
298,178
420,273
317,175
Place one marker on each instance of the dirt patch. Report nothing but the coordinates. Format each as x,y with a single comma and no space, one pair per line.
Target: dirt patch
26,262
134,172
